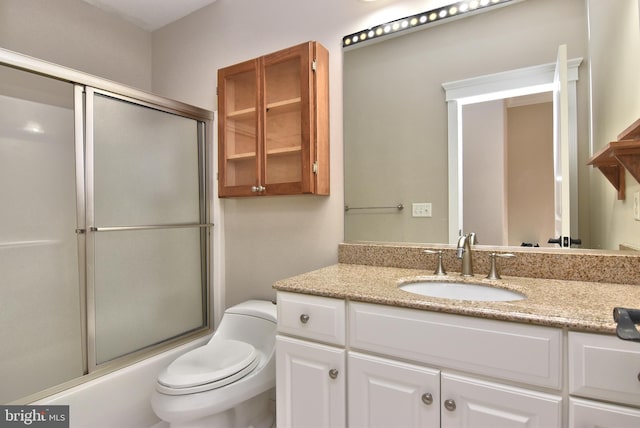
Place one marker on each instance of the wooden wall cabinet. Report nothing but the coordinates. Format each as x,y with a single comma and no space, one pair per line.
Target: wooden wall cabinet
274,124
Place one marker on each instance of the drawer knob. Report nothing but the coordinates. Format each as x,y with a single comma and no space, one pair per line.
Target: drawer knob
304,318
333,373
450,405
427,398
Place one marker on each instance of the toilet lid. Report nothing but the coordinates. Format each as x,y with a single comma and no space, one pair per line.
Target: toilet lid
210,363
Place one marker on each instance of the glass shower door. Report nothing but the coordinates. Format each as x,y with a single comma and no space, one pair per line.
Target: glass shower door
147,232
40,294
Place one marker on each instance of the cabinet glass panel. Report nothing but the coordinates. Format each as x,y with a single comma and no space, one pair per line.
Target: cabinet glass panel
240,131
283,125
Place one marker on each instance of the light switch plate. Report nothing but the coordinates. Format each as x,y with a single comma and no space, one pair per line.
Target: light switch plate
636,206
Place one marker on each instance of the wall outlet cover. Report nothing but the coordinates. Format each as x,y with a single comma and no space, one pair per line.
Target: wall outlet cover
421,209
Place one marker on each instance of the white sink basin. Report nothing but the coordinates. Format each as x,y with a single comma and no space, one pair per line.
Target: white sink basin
462,291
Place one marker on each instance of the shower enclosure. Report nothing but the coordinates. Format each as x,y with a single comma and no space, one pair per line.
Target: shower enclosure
104,227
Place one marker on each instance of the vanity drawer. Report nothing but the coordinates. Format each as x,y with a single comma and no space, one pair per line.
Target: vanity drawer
505,350
312,317
604,367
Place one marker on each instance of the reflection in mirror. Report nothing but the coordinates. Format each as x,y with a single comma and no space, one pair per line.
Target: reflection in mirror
511,203
517,201
395,114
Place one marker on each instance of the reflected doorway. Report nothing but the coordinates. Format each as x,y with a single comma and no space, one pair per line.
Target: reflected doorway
510,202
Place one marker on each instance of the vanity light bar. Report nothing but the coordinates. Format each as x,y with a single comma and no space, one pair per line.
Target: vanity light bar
438,15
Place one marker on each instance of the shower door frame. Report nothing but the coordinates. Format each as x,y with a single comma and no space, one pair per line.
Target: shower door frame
83,83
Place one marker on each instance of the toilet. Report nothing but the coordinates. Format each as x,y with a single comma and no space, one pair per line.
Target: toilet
228,382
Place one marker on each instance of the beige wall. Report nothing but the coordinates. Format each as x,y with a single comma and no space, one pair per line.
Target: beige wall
484,170
531,183
614,62
272,238
267,238
76,35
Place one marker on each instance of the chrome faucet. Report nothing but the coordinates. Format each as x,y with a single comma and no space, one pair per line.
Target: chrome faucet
464,252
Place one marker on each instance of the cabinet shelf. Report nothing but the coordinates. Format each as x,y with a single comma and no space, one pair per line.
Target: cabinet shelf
246,113
284,105
274,152
284,151
278,106
615,157
242,156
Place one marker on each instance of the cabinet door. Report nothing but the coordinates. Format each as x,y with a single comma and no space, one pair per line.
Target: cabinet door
288,120
592,414
471,403
310,384
239,128
604,367
385,393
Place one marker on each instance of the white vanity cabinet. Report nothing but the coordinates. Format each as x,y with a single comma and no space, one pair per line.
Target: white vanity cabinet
448,344
388,393
411,368
605,372
310,362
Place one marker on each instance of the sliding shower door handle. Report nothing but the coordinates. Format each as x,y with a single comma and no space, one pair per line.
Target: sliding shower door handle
149,227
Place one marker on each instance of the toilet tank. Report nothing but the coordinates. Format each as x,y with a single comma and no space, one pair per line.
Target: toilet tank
253,321
264,309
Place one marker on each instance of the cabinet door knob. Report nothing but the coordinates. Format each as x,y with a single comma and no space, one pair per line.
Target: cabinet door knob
427,398
261,188
254,189
333,373
304,318
450,405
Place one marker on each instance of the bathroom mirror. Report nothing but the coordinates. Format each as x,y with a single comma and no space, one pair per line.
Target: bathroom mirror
395,117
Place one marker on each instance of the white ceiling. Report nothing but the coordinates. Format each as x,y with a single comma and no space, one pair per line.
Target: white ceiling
150,14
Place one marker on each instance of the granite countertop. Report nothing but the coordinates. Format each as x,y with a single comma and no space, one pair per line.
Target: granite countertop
575,305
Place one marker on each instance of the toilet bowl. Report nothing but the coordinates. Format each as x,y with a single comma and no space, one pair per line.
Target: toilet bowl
229,381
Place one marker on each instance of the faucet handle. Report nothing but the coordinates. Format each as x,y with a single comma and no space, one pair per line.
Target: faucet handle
440,267
493,271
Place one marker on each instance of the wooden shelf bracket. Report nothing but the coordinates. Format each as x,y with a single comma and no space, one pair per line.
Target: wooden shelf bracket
619,155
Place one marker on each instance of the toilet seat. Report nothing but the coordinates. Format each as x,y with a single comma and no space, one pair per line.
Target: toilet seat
212,366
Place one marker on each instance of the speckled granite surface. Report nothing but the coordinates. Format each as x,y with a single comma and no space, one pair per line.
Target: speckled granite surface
575,264
575,301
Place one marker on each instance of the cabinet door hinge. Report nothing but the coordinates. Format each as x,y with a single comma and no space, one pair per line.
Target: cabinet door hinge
314,168
314,65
